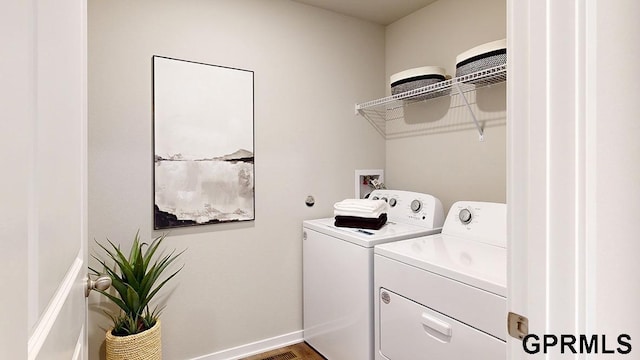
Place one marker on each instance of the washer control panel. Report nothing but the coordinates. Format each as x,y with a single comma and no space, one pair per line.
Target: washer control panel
480,221
412,207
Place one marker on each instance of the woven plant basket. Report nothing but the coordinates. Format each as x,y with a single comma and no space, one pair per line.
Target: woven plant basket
146,345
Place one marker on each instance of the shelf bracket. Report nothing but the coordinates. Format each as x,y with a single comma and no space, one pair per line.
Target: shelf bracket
473,115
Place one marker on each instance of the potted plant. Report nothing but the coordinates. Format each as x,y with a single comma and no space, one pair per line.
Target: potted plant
136,279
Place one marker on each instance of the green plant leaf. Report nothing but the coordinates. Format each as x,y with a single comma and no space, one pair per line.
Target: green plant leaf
156,271
155,291
121,304
135,247
135,257
133,300
125,267
148,255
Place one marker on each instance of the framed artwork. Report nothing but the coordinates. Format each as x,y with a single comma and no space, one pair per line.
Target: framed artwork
203,143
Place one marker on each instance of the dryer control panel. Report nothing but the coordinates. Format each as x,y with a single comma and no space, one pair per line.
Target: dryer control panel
413,208
479,221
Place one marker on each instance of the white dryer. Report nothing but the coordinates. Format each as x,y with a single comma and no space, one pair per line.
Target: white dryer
338,273
444,296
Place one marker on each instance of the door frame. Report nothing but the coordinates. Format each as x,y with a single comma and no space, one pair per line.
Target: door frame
551,166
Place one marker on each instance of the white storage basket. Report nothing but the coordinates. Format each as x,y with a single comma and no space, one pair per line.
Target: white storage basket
482,57
416,78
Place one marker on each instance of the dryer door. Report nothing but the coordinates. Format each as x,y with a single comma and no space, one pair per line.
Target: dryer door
409,330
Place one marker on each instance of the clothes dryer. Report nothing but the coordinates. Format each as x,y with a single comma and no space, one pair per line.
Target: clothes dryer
338,273
444,296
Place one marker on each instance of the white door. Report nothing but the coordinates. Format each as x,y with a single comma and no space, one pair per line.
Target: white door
44,179
545,176
573,171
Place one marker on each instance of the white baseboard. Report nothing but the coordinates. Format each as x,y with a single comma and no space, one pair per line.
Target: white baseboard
255,347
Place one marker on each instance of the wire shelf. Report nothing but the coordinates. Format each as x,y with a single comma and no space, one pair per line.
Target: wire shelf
378,112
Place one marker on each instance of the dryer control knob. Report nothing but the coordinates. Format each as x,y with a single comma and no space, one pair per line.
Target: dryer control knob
375,198
393,202
416,205
465,216
384,198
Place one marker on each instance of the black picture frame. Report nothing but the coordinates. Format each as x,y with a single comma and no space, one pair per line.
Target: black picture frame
203,143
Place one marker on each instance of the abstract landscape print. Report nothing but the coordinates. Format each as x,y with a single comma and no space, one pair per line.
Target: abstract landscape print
203,143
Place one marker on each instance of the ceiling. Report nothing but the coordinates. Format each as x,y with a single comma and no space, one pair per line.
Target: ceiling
382,12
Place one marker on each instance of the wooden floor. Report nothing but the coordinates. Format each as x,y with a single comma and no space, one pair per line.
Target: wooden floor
300,351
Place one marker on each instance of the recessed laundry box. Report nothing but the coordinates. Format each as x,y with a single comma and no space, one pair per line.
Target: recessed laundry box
416,78
482,57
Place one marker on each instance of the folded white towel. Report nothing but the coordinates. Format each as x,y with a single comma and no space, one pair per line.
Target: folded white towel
360,205
361,208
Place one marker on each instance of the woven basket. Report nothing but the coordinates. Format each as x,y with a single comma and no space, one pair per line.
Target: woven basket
146,345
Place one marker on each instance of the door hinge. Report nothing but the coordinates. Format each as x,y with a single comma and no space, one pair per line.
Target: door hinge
517,325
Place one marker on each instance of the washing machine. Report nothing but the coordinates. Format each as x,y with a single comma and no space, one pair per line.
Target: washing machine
338,295
444,296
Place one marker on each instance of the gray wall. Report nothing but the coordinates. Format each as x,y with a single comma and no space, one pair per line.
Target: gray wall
241,282
446,159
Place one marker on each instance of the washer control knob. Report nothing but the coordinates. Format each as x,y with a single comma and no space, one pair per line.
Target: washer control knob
375,198
416,205
393,202
465,216
385,199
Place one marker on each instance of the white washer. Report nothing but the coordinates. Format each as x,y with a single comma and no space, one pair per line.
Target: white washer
444,296
338,273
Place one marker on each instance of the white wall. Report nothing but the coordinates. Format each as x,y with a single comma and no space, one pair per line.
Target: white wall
447,160
241,282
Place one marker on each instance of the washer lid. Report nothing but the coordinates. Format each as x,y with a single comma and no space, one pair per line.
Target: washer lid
391,231
476,264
